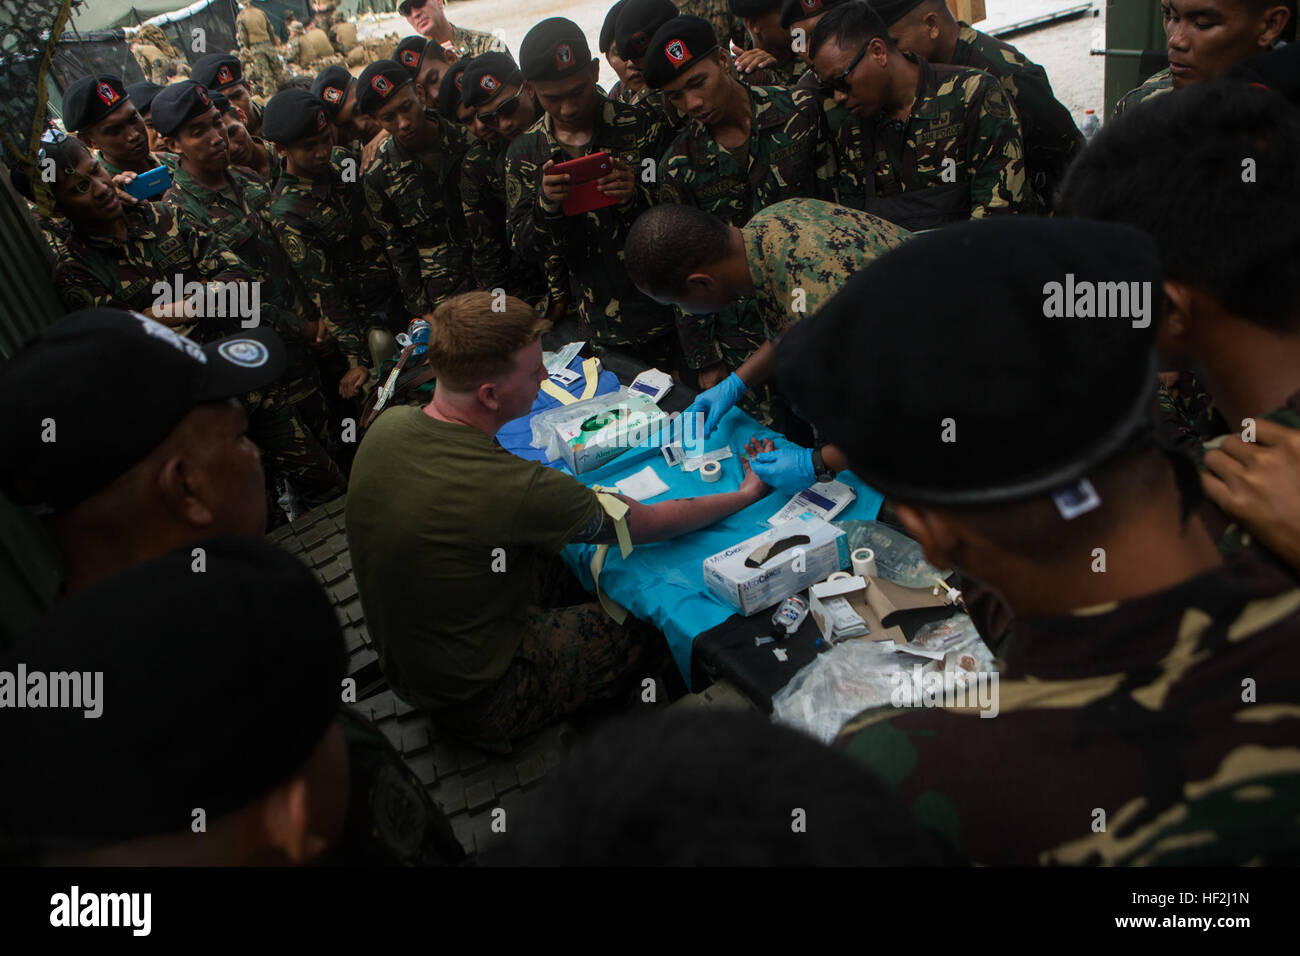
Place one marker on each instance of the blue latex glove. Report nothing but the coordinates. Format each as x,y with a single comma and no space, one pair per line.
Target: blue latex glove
788,469
715,402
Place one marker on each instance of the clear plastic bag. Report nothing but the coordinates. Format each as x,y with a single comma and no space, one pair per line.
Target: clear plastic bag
841,683
543,423
898,557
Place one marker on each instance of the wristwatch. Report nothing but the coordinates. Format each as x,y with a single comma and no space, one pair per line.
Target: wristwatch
820,470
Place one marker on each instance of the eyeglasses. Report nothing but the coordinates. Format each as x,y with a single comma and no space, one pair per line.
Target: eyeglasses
507,108
56,137
841,83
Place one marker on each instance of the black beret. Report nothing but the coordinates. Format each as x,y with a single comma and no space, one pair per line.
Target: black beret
292,115
1036,398
752,8
378,82
410,53
638,22
70,373
332,85
213,683
89,99
554,49
1278,69
677,46
792,11
179,103
891,11
142,94
607,28
484,77
449,88
217,71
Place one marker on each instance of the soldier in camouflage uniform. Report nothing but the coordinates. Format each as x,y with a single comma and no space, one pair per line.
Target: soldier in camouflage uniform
290,422
958,152
105,119
555,59
428,18
630,87
320,217
1126,728
259,49
117,250
248,152
1232,321
158,59
1205,41
493,86
223,73
773,59
782,155
637,22
928,29
789,260
413,189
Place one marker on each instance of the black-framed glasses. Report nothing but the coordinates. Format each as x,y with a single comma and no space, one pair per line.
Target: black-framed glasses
505,110
841,83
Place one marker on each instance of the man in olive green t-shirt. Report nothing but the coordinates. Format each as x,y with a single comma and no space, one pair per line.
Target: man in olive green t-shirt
451,536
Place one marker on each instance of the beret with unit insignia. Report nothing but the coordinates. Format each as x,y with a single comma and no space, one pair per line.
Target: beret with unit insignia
484,77
292,115
217,71
179,103
679,45
637,23
792,11
332,85
142,94
91,98
554,49
378,82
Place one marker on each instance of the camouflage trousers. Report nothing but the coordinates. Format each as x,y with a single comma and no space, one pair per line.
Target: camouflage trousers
262,68
291,427
570,657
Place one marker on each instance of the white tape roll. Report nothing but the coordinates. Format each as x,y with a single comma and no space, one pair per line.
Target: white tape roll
711,470
864,562
839,576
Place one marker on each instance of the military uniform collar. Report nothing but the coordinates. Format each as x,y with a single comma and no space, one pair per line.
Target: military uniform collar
1124,636
759,115
139,225
926,83
188,184
605,116
442,139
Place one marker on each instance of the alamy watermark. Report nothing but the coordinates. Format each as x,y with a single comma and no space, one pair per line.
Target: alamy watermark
210,300
78,690
922,688
1084,299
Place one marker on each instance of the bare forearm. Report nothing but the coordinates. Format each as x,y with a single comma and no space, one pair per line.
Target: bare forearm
834,459
757,369
671,518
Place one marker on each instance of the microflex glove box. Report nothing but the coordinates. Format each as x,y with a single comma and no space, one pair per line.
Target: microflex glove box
587,443
768,568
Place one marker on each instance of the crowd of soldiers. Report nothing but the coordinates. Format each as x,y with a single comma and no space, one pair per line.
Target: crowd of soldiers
788,184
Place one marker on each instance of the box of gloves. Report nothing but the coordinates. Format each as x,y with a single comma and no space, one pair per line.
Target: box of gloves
767,568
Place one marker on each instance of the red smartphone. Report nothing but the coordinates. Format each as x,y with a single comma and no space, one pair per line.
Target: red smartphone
583,174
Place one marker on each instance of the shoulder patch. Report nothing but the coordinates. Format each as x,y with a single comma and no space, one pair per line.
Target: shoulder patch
295,248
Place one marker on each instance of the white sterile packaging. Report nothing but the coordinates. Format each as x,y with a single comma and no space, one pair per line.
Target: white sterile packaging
767,568
824,500
652,383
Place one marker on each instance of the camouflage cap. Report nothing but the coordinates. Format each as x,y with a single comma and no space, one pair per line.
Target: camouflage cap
378,82
217,71
179,103
554,49
332,85
158,747
89,99
891,11
484,77
638,22
292,115
958,399
792,11
143,93
679,45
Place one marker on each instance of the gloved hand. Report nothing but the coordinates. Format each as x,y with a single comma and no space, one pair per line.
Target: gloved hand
788,469
715,402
